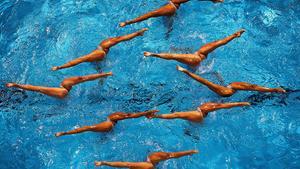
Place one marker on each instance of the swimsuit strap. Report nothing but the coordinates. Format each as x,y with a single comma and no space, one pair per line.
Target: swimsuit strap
172,3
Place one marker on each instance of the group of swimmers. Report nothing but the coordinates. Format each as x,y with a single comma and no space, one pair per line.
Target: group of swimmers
193,59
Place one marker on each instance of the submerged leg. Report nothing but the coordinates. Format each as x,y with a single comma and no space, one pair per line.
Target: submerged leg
166,10
190,59
69,82
92,57
206,49
254,87
75,131
209,107
50,91
106,44
220,90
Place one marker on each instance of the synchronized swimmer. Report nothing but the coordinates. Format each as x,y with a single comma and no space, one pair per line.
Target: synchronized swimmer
108,125
232,88
152,160
101,51
197,57
166,10
65,86
202,111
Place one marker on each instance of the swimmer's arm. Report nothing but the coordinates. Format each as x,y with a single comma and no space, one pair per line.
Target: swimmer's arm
137,115
117,164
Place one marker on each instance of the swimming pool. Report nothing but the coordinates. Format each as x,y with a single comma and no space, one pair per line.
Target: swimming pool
36,35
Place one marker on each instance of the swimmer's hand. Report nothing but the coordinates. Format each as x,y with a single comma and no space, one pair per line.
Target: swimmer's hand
146,54
180,68
54,68
151,114
280,90
11,85
239,33
98,163
59,134
122,24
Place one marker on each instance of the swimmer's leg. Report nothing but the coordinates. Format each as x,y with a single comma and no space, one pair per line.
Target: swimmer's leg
96,55
190,59
254,87
162,156
76,131
182,154
50,91
209,107
163,11
69,82
220,90
208,48
106,44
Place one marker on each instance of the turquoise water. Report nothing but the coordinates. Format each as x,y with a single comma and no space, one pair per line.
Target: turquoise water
38,34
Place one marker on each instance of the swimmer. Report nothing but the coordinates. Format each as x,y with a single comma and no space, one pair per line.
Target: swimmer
152,160
101,51
202,111
232,88
65,87
197,57
166,10
108,125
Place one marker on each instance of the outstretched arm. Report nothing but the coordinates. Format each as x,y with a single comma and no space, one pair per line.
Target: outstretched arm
209,107
162,156
68,83
121,164
146,113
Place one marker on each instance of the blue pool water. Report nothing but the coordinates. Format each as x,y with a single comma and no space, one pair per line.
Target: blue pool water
38,34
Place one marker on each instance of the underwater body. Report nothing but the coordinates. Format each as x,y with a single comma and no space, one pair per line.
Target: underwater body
36,35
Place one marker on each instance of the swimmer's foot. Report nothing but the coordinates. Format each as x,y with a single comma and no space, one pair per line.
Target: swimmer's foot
98,163
217,1
147,54
59,134
11,85
55,68
122,24
280,90
194,151
180,68
245,104
239,33
142,31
